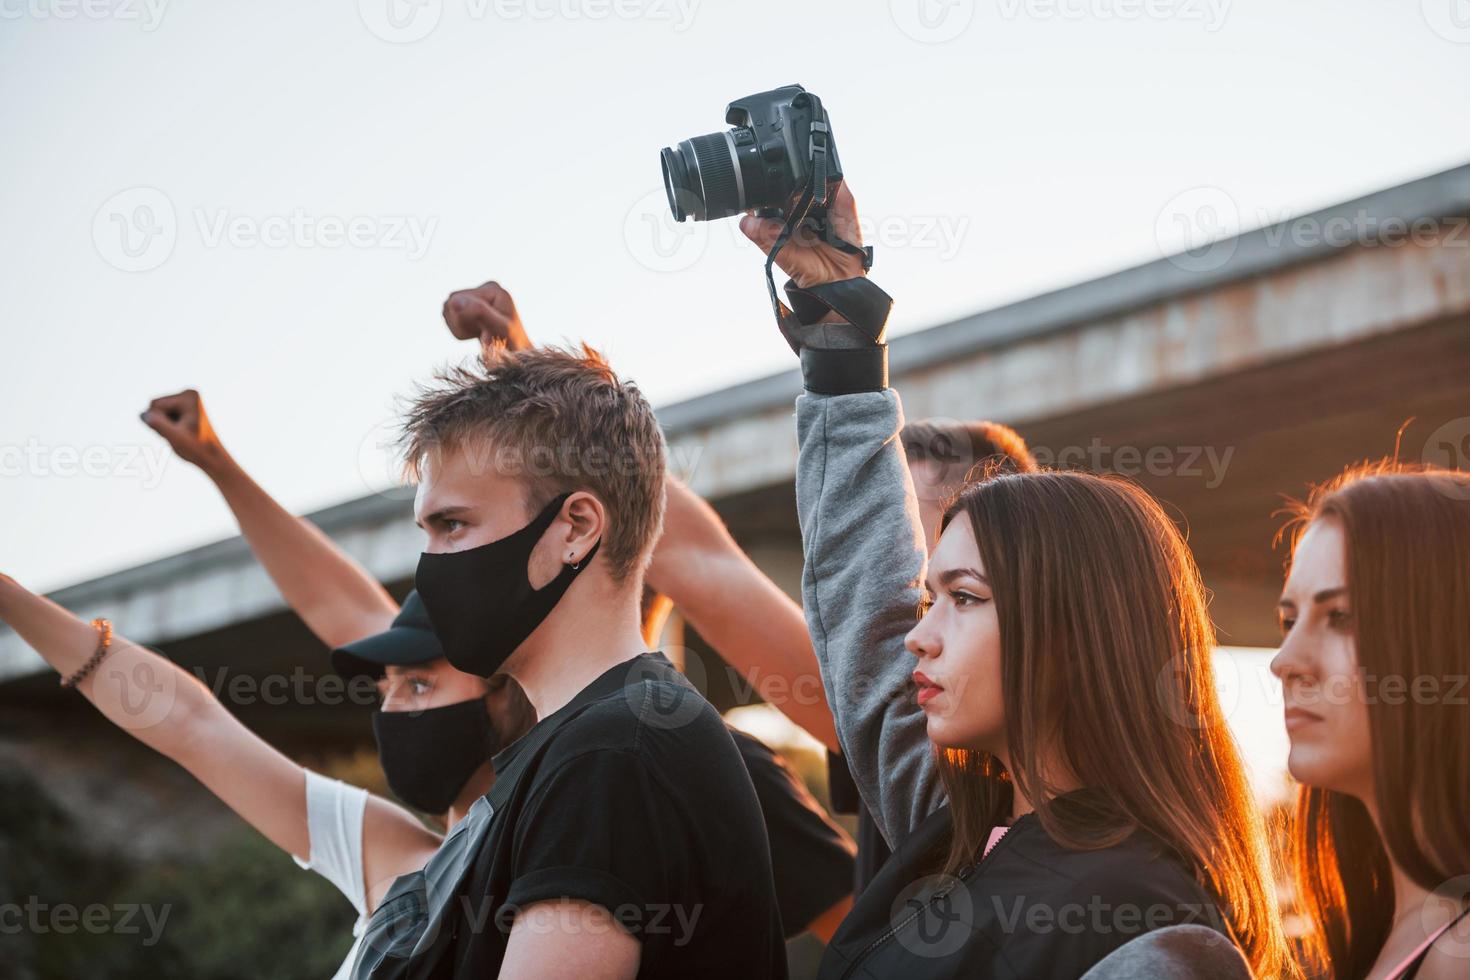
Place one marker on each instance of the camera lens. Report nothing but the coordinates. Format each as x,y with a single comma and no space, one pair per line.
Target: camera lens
702,179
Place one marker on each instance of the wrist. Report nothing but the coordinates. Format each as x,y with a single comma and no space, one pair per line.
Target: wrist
517,339
844,371
221,467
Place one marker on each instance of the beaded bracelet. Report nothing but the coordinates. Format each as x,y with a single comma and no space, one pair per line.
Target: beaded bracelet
104,641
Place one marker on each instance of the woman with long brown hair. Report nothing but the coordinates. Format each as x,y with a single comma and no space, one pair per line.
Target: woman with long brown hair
1057,775
1374,661
1094,791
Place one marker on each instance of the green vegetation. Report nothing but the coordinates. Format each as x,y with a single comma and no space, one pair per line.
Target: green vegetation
67,910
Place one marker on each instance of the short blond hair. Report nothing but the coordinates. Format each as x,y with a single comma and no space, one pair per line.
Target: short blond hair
558,420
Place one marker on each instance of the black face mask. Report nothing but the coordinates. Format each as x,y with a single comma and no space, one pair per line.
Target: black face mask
481,601
429,755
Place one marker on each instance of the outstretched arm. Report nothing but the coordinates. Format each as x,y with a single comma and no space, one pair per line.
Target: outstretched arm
171,711
339,600
743,615
865,559
861,539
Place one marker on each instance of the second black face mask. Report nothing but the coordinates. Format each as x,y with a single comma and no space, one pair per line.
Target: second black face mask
429,755
480,600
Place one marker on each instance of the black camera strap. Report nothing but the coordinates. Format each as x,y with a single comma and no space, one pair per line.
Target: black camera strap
858,301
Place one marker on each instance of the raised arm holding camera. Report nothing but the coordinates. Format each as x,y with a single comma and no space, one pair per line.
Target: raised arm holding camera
999,787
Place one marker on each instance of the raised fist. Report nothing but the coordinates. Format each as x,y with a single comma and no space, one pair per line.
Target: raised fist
181,420
486,313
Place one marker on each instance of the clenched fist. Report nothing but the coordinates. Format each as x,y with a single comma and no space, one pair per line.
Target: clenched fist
181,420
486,313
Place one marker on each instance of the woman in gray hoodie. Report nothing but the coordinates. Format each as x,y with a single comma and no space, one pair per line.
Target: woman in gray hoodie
1056,777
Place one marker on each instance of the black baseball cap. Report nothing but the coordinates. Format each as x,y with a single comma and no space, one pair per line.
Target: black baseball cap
410,640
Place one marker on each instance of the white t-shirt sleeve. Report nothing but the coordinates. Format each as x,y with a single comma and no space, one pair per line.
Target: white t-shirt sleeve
334,816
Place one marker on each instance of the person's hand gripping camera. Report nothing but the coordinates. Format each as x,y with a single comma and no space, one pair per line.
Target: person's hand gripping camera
779,167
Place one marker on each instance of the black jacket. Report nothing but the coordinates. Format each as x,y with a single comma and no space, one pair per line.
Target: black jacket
1031,909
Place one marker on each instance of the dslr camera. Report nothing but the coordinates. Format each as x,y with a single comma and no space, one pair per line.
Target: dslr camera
760,165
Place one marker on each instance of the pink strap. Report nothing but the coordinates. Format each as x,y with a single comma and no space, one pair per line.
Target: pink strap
1423,947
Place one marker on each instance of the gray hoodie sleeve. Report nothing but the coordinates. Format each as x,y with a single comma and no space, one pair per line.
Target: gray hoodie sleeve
864,560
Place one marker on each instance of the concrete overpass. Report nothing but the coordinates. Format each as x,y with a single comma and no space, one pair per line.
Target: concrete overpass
1220,380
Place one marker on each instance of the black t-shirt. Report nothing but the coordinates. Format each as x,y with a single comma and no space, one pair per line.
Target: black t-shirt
1030,908
632,797
811,856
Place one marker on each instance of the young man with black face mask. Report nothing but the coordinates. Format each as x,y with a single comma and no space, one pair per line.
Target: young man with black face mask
622,836
736,608
665,924
436,727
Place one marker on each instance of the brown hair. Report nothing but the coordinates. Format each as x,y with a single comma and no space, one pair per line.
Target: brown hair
1106,672
1408,582
559,420
963,446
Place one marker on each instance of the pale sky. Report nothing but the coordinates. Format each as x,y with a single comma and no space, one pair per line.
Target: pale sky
269,201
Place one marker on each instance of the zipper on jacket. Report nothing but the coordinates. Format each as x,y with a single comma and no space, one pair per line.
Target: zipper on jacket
964,876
